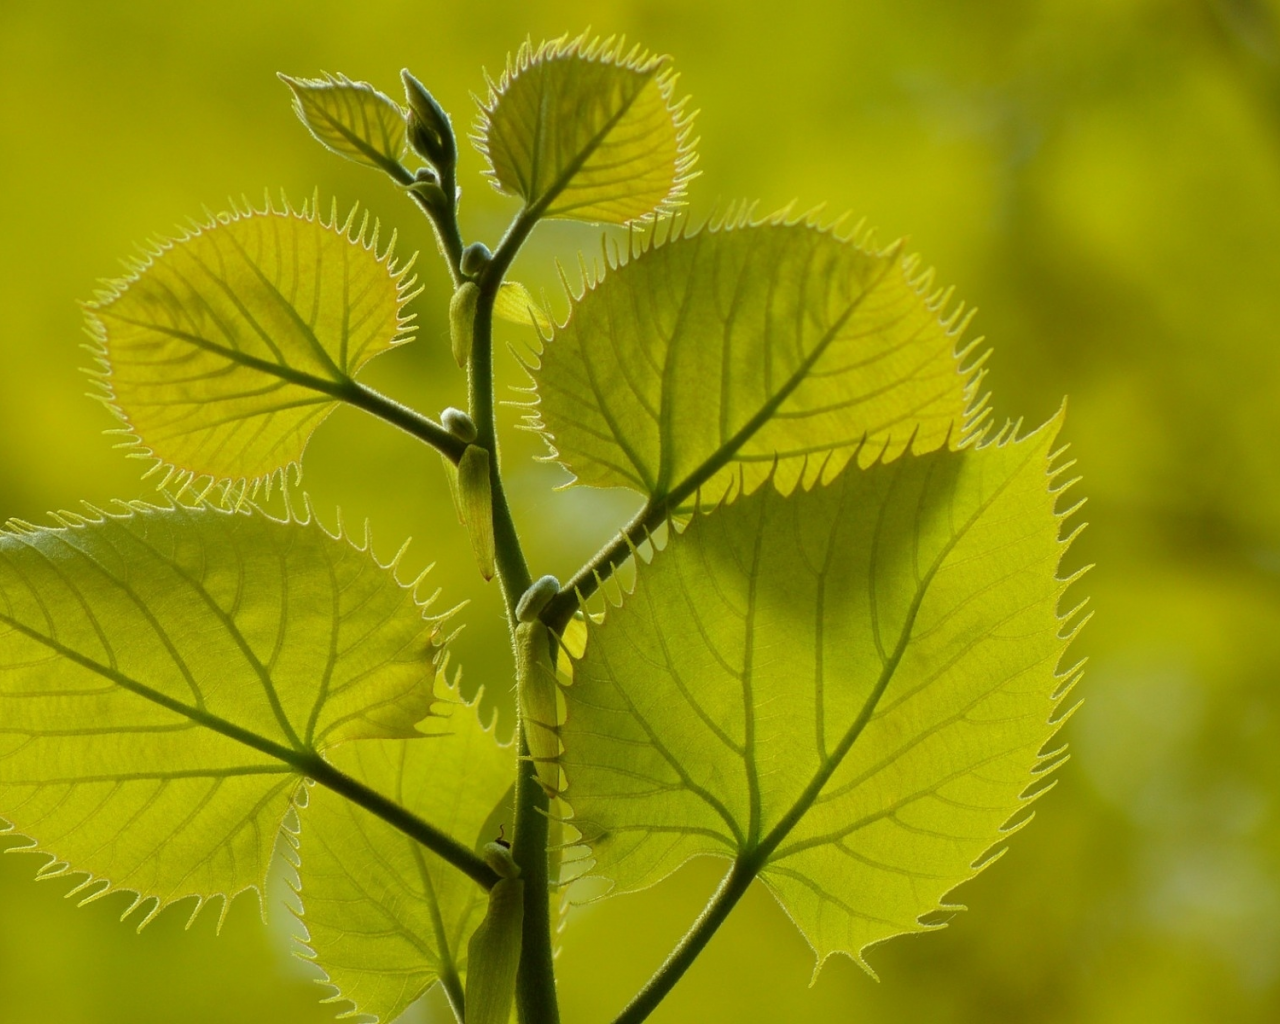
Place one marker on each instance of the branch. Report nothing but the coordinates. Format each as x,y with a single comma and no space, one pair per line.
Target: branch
409,420
726,897
398,817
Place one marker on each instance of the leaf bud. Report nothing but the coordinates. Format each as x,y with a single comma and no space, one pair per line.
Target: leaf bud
459,424
533,600
498,856
428,128
475,258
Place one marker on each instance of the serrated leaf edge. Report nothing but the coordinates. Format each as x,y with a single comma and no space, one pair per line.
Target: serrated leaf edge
183,482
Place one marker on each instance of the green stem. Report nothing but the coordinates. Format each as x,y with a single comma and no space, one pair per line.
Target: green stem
398,817
408,420
535,980
726,897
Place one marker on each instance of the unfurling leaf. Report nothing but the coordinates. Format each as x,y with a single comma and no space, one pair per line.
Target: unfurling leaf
352,119
847,688
165,673
538,687
386,919
227,348
475,506
705,359
582,130
494,955
462,320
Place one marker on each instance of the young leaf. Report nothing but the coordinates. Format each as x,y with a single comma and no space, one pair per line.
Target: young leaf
474,502
384,920
165,671
227,348
582,130
846,688
703,358
352,119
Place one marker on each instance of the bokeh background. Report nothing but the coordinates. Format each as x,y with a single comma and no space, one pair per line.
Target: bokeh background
1101,177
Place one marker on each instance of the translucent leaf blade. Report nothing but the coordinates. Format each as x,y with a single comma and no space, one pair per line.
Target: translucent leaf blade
155,667
228,347
385,919
853,683
352,119
586,131
702,359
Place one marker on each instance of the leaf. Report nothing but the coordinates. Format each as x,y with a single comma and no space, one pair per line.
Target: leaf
494,955
227,347
163,672
848,688
704,358
582,130
474,504
352,119
384,920
516,304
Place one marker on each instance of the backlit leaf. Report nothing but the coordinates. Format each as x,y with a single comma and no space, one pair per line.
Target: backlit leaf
353,119
160,668
701,358
587,131
227,348
386,919
849,687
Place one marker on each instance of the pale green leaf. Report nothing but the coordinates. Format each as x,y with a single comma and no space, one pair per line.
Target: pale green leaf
848,687
515,303
587,131
227,348
703,359
352,119
164,670
386,919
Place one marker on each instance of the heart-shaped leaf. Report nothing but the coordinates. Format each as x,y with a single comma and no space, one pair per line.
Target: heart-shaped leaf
847,690
226,348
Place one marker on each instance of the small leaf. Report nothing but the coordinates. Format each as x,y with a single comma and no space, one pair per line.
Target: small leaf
849,687
162,670
494,955
582,130
475,506
352,119
462,320
226,348
516,304
704,359
540,707
385,919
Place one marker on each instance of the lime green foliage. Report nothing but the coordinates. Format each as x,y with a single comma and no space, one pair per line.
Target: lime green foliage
701,357
164,670
227,348
849,687
353,119
385,918
840,671
587,130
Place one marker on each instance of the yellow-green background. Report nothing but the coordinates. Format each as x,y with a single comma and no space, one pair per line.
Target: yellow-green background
1102,177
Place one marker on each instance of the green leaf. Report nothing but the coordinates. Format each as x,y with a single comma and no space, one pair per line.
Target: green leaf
586,131
516,304
703,359
165,671
352,119
385,919
848,688
226,348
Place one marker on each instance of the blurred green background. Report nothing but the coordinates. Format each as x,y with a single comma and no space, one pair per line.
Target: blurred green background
1102,177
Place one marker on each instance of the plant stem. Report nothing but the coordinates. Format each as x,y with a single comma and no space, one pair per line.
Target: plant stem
409,420
726,897
535,979
397,817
